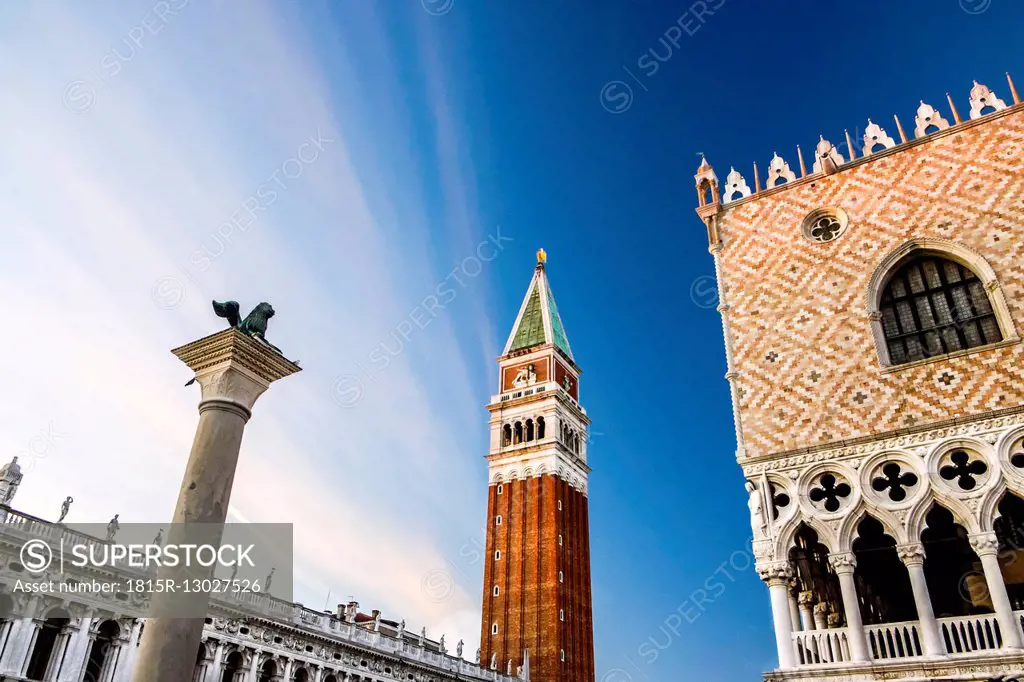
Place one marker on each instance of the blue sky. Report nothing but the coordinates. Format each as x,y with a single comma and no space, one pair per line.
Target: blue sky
375,147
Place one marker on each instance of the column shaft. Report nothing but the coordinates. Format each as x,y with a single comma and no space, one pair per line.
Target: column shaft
204,496
1008,624
779,593
933,645
854,623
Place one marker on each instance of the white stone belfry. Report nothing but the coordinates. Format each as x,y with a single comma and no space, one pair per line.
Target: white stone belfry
10,479
233,370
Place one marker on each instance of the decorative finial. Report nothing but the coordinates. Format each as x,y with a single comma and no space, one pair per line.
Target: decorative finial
1013,89
952,107
542,256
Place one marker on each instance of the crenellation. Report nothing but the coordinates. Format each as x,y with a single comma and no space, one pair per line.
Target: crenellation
928,121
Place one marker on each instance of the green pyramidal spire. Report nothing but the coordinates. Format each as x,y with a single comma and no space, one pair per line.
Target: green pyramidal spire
538,321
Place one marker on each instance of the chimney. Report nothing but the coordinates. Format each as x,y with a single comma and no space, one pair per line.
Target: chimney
351,611
376,612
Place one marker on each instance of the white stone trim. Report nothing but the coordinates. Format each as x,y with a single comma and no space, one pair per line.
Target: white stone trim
532,465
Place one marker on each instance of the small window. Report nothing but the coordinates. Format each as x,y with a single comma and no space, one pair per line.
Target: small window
562,654
497,521
501,488
497,554
561,578
559,540
561,614
496,591
494,629
559,505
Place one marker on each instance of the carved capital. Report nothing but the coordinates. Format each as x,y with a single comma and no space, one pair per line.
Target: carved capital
233,368
984,543
806,598
911,554
775,572
845,562
821,608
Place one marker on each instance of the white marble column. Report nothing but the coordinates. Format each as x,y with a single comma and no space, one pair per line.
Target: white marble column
16,650
233,370
805,602
78,650
61,648
844,566
31,634
218,661
912,556
794,609
986,545
128,656
778,574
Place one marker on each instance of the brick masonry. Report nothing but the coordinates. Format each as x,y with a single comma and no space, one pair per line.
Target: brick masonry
807,371
532,598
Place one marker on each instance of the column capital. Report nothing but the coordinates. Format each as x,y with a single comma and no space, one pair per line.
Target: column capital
233,367
844,562
984,543
806,598
775,572
911,554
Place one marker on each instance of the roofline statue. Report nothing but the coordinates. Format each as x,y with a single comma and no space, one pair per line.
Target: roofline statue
254,324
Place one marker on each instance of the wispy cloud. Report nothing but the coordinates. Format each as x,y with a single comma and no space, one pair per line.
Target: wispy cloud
107,205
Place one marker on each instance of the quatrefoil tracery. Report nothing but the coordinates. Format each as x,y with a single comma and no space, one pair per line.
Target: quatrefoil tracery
964,471
779,500
894,480
829,492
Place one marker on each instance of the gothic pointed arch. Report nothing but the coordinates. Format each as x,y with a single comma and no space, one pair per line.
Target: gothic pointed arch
786,538
847,534
931,297
917,517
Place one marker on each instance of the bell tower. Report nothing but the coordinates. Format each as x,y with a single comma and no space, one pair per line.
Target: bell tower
537,600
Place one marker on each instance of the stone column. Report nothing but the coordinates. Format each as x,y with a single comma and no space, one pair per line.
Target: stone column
78,650
912,556
844,566
233,370
821,615
986,545
794,610
132,646
15,649
218,661
778,574
805,601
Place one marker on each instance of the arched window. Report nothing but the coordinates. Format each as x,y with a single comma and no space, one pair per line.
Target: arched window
506,435
529,430
540,428
933,306
517,438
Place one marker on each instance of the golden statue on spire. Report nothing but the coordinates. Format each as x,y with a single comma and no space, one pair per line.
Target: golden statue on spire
542,256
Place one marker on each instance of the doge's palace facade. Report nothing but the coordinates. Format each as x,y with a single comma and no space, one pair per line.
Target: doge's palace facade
872,308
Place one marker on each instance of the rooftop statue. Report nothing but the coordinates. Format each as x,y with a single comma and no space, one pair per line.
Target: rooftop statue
254,324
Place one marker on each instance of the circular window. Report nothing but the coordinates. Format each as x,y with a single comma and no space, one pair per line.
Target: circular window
825,224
